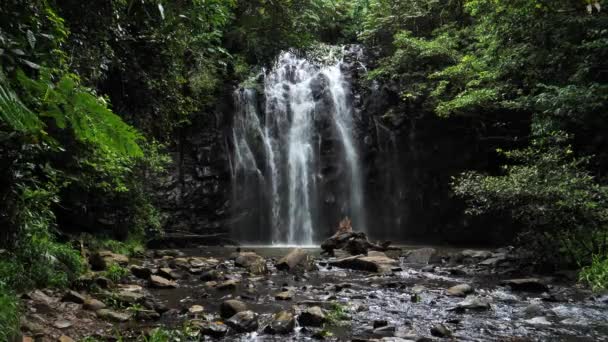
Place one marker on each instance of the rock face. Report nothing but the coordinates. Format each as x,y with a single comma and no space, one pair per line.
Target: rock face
231,307
375,262
251,261
294,258
312,317
282,323
101,260
244,321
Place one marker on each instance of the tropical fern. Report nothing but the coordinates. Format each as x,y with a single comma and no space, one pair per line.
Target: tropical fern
71,105
14,113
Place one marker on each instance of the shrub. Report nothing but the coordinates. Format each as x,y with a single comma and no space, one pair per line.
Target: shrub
547,190
596,274
116,273
9,314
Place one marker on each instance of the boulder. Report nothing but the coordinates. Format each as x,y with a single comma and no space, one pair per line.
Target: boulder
420,256
374,262
312,317
62,324
541,320
140,271
113,316
285,295
168,273
162,283
282,323
129,297
93,304
73,297
231,307
251,261
440,330
461,290
101,260
210,275
213,329
526,284
294,258
244,321
228,285
196,309
474,303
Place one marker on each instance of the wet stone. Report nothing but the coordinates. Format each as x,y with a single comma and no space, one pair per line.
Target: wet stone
460,290
228,285
231,307
114,316
440,330
526,284
244,321
93,304
313,317
213,329
285,295
162,283
140,271
282,323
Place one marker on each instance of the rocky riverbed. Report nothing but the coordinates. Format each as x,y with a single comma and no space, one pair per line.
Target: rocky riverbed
406,294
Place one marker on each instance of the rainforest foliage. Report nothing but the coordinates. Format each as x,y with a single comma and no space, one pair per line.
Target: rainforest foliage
93,93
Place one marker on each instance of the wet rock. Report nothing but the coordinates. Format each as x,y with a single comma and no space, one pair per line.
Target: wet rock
374,262
169,273
113,316
162,283
147,315
92,304
294,258
40,297
152,304
101,260
251,261
380,323
420,256
196,309
387,330
228,285
73,297
231,307
103,282
474,303
203,262
541,320
180,263
168,252
282,323
210,275
440,330
312,317
534,310
285,295
493,262
469,253
213,329
128,297
526,284
461,290
65,338
140,271
244,321
62,324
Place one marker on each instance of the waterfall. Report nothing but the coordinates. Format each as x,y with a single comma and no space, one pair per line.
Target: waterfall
296,167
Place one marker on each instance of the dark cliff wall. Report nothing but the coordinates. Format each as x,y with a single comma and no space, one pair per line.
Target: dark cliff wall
409,158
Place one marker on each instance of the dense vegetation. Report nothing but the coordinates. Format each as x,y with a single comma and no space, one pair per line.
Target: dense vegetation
89,103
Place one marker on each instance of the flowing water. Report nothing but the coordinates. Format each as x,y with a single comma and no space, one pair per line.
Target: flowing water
282,136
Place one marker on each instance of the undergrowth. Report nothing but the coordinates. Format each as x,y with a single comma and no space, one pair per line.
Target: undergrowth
596,274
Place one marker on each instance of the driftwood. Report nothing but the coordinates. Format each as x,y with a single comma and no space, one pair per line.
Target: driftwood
355,243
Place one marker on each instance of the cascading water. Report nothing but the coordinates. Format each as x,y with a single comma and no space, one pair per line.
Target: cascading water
295,156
